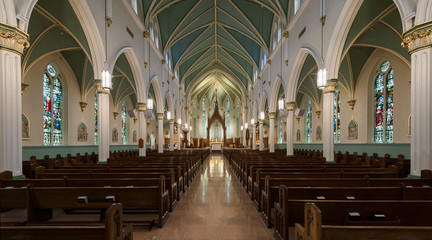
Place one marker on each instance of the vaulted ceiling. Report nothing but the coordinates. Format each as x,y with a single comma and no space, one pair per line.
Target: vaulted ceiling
203,35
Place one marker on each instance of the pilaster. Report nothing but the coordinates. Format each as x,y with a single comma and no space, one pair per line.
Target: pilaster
272,117
160,117
171,145
261,136
142,107
103,122
253,136
290,106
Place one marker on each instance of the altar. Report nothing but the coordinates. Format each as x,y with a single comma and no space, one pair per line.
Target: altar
216,146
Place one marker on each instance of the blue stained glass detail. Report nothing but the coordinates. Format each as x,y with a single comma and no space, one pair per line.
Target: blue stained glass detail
124,123
336,116
309,122
96,106
383,98
52,108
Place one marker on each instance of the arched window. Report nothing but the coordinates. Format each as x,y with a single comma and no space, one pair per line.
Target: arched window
238,118
124,123
53,107
280,130
297,4
309,122
134,5
383,93
227,120
336,116
263,58
96,107
203,130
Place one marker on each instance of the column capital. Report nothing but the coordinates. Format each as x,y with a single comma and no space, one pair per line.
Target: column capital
261,121
254,125
172,121
141,107
331,86
418,37
272,115
285,34
290,106
99,89
13,39
160,116
146,34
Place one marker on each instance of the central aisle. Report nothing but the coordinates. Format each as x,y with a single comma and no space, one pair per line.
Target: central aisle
214,207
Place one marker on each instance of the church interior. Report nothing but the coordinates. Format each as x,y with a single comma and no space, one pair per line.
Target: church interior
215,119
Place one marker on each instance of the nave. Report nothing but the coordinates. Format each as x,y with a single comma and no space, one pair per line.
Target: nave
214,207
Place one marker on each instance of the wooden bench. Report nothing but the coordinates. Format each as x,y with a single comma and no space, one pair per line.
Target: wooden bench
404,220
112,229
290,211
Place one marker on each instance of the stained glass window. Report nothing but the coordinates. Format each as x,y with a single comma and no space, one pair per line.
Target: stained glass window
280,130
309,122
336,116
52,107
124,123
194,118
238,118
203,129
227,120
96,107
383,98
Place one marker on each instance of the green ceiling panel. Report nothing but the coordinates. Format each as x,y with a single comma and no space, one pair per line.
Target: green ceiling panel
53,40
307,67
64,13
394,19
180,47
81,67
172,16
382,36
123,64
146,6
37,24
262,22
366,14
344,70
285,5
245,64
251,47
299,98
359,56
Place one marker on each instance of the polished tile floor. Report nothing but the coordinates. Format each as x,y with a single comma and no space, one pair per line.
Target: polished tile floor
214,207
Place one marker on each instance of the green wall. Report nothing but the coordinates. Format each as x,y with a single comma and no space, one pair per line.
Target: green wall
393,149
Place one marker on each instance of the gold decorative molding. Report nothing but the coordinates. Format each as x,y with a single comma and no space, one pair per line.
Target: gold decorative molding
115,114
290,106
286,62
318,113
145,64
331,86
298,120
172,121
160,116
134,120
352,103
285,34
98,86
23,87
146,34
141,107
418,37
261,121
272,115
109,21
82,106
13,39
268,61
163,61
173,78
322,20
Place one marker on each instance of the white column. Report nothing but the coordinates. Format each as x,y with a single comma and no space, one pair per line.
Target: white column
142,127
244,127
103,125
328,128
12,44
178,136
171,145
421,137
160,117
272,132
290,106
261,136
253,136
10,107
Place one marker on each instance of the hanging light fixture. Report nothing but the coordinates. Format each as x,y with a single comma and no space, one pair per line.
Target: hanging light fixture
322,71
262,116
168,115
246,125
150,104
106,75
282,111
179,121
252,121
241,128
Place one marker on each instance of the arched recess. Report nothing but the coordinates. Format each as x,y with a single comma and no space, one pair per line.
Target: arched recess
177,110
297,70
157,91
216,117
278,83
25,9
134,67
262,106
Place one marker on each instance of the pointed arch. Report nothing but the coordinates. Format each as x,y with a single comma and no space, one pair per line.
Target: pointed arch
278,83
157,90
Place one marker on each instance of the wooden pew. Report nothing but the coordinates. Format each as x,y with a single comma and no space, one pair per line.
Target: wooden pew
112,229
290,211
148,201
405,220
13,202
